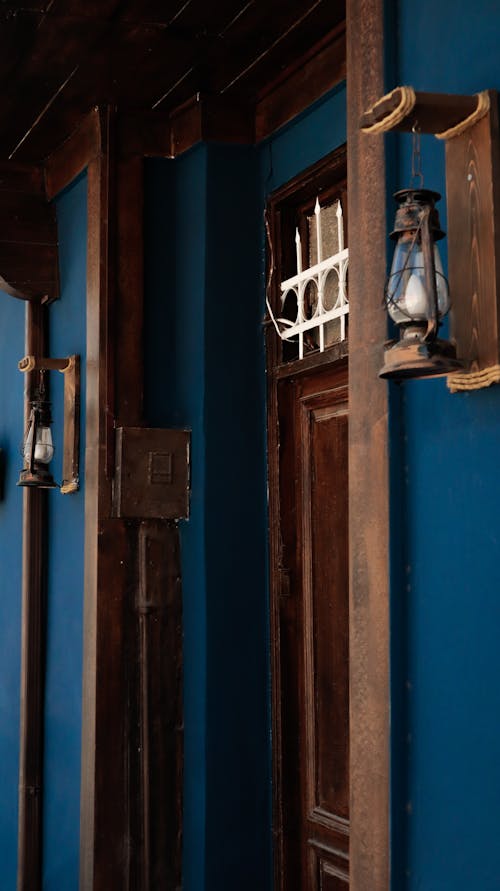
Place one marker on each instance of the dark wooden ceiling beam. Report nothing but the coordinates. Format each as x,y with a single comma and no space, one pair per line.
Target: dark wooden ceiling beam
302,84
28,236
61,47
145,54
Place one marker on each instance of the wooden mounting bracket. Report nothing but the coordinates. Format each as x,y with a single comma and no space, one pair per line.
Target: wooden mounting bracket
469,127
70,367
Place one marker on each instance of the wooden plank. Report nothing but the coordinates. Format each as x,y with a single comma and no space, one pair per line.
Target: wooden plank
76,152
97,491
473,201
368,460
19,30
34,582
146,133
319,71
276,42
129,321
61,47
81,55
157,745
27,178
29,266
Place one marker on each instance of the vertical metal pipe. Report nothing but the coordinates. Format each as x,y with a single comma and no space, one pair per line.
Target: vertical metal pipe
32,647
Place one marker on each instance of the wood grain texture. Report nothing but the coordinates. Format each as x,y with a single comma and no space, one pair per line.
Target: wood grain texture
75,153
69,57
368,460
313,622
96,488
132,736
473,202
127,323
33,624
157,756
300,85
29,266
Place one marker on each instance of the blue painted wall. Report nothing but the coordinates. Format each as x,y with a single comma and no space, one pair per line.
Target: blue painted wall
65,576
205,285
449,733
63,694
11,435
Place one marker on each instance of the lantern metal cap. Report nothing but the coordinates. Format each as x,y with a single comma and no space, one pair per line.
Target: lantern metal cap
417,196
414,358
409,213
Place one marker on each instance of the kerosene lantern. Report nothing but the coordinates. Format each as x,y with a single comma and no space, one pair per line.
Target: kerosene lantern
38,448
417,295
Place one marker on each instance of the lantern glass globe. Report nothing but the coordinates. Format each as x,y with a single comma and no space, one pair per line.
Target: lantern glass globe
408,299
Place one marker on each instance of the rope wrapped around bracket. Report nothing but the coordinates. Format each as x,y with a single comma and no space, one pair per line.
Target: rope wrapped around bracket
473,380
482,109
406,104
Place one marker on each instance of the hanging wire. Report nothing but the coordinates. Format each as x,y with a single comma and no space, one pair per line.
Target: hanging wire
276,322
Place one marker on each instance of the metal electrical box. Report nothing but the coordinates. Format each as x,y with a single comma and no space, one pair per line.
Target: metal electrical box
152,474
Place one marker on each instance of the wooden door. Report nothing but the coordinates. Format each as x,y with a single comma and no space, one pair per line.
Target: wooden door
310,636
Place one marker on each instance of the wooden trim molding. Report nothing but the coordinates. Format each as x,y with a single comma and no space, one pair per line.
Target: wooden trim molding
74,155
322,69
368,460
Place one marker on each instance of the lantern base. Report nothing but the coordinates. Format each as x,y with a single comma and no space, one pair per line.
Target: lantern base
414,358
38,479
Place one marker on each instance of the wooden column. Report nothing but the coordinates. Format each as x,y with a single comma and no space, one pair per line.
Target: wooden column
368,460
29,872
130,826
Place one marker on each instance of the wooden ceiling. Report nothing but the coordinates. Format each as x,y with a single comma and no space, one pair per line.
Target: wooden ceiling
62,57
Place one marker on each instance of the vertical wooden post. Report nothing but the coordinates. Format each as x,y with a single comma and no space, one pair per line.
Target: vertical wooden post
104,808
32,645
368,460
130,811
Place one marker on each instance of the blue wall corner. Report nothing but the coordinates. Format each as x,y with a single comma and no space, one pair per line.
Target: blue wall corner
238,774
205,290
175,253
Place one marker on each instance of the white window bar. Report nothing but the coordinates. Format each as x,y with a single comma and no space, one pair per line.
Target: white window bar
317,275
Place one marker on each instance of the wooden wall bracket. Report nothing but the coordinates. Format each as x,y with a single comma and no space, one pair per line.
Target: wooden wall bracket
469,127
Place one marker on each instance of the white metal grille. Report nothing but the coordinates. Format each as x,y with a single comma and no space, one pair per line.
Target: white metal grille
314,279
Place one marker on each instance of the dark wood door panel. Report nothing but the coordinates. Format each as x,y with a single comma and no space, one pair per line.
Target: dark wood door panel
325,598
311,687
328,870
